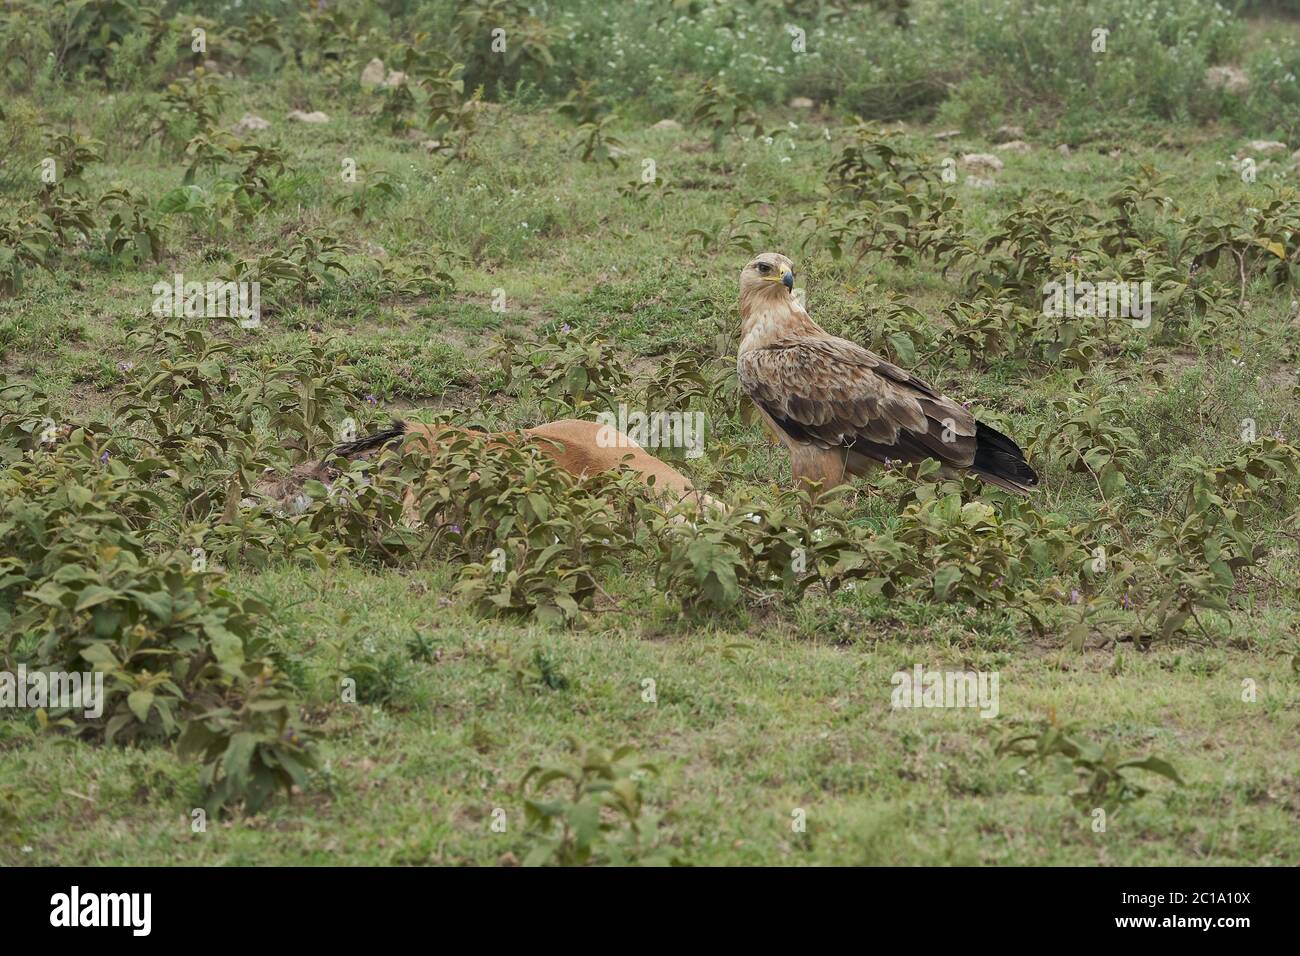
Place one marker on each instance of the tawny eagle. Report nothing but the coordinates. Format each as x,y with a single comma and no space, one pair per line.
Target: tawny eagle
839,408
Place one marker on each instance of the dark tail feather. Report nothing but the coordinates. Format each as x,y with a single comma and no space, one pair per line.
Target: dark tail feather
351,449
999,461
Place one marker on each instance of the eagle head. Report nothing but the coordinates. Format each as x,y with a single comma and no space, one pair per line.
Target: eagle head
767,288
768,273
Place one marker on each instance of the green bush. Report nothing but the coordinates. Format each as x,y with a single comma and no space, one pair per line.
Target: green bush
80,587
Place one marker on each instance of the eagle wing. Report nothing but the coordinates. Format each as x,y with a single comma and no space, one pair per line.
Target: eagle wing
834,393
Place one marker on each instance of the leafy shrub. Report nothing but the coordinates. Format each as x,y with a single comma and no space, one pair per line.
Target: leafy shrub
887,199
1090,436
27,241
876,162
568,372
713,561
891,328
538,671
531,541
721,110
527,42
207,423
451,117
970,551
429,271
132,231
602,816
1199,548
1102,771
174,646
249,747
192,104
534,541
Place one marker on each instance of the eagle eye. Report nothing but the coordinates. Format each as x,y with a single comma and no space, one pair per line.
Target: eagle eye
764,267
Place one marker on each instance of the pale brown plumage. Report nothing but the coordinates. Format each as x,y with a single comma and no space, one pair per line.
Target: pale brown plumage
839,408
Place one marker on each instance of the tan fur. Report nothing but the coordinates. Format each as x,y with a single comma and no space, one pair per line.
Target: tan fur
579,447
584,448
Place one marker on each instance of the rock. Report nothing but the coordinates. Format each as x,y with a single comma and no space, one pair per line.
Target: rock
1295,158
1230,79
1015,146
1064,149
316,116
376,251
1005,133
802,103
1115,153
248,123
431,145
1265,146
977,182
395,79
947,134
373,74
981,161
668,124
1247,167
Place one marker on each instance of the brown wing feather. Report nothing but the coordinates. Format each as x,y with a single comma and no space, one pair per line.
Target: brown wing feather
839,394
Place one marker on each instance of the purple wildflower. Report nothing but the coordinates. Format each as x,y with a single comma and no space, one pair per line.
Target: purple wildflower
566,327
103,459
371,400
1074,595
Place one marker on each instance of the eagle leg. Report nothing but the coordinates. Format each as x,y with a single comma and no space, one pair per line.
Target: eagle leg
826,465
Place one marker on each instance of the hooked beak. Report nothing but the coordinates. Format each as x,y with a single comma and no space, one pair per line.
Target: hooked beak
786,279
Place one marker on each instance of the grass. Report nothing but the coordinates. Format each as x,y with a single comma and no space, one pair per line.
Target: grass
780,707
799,717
